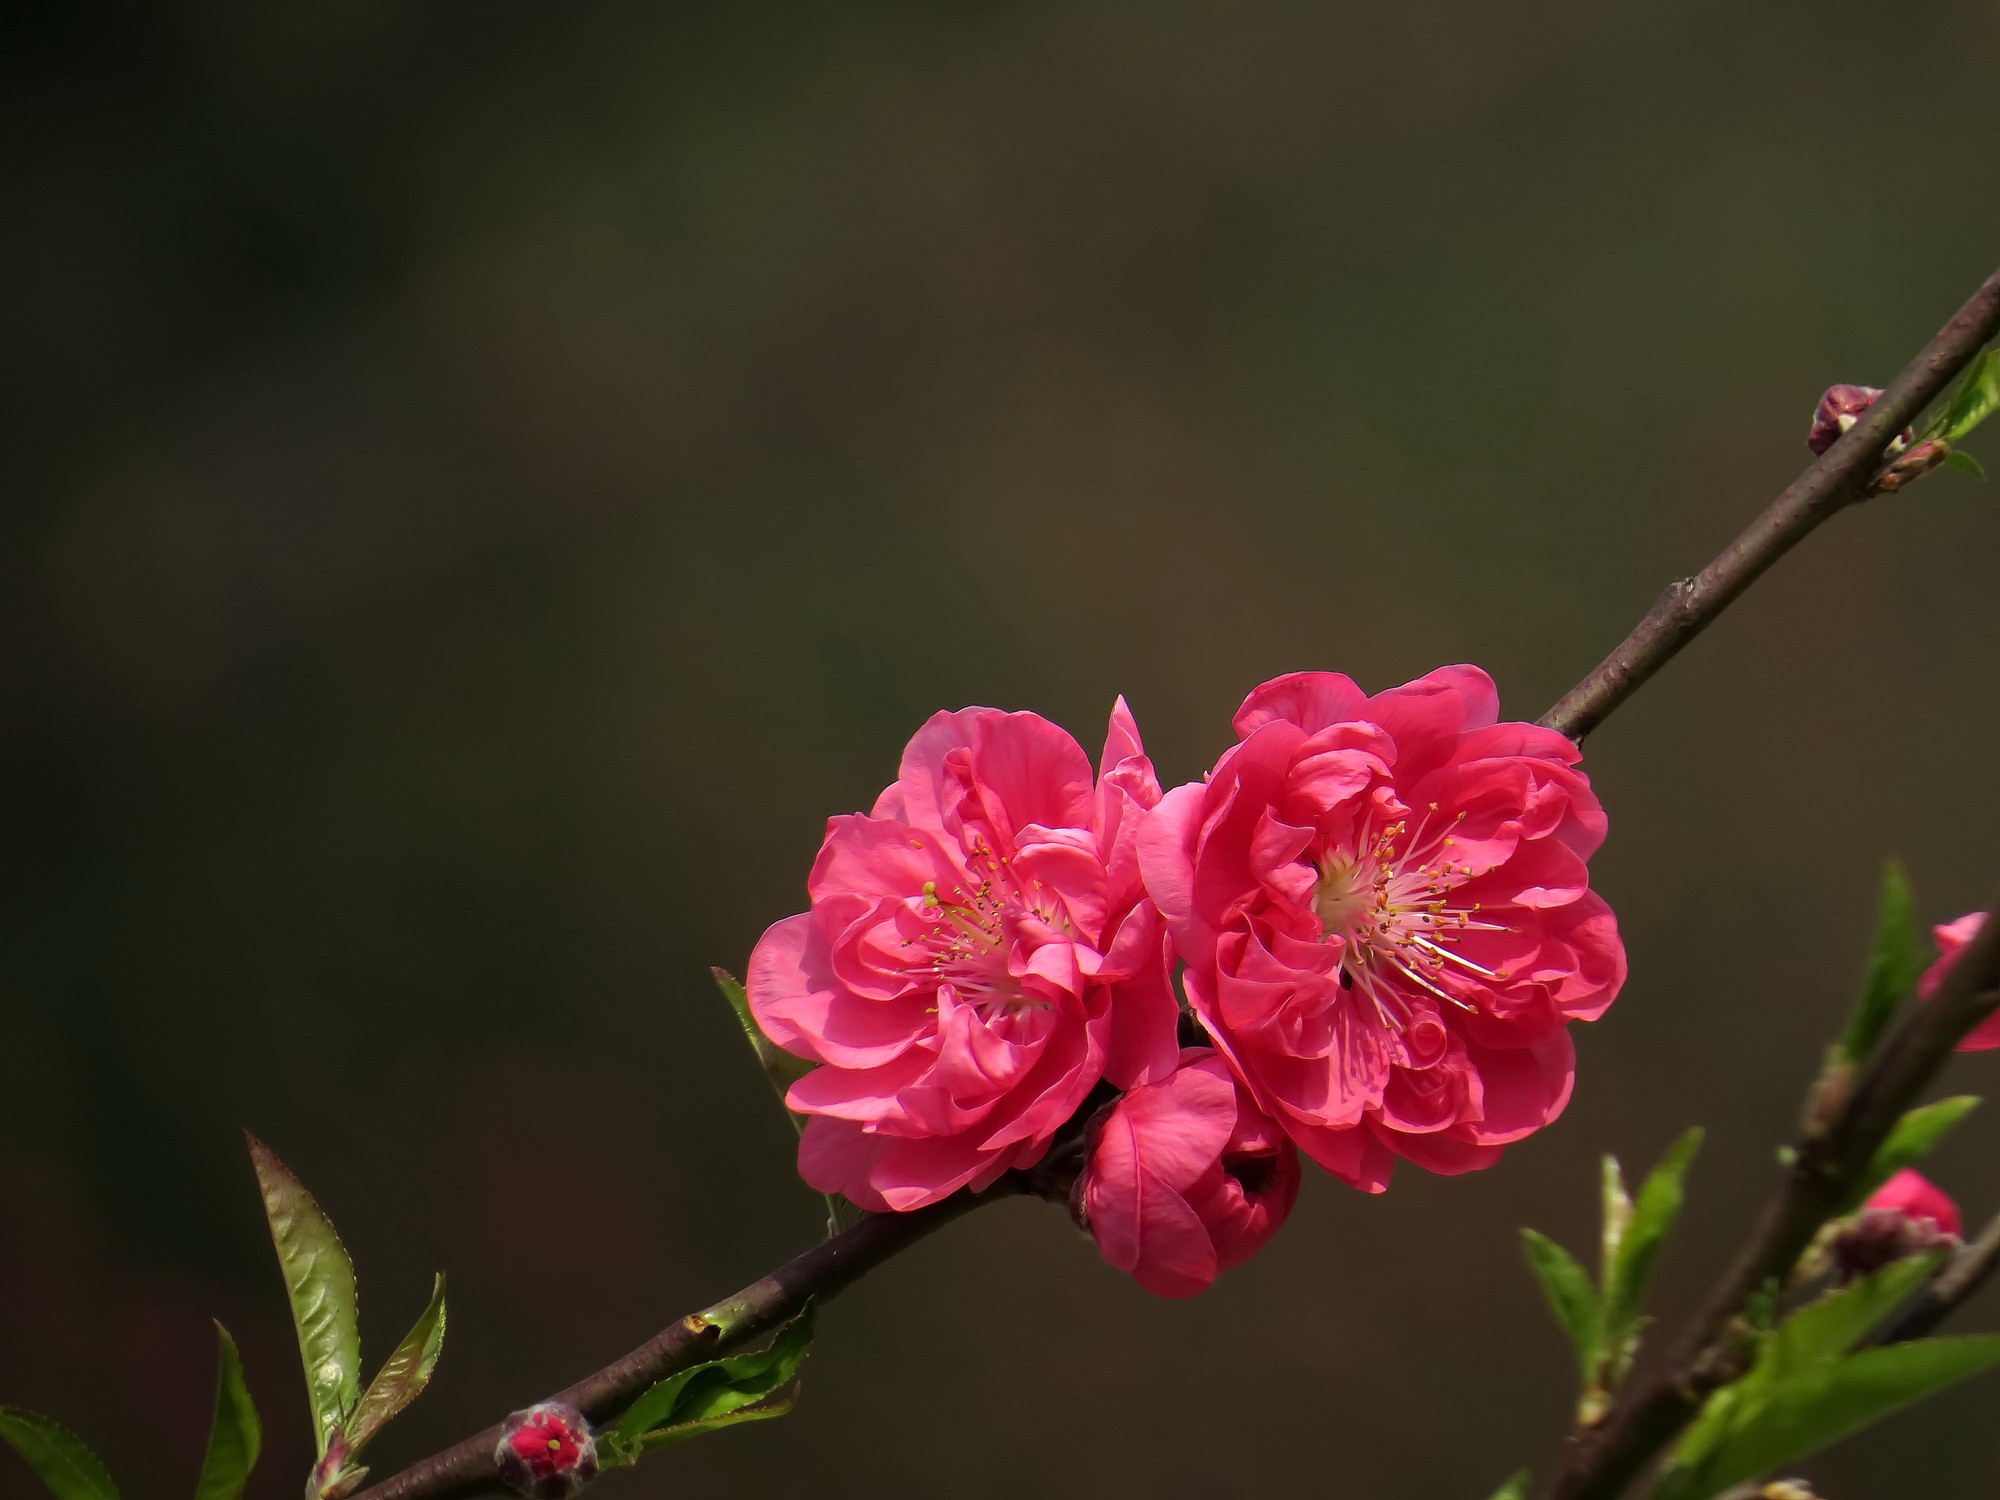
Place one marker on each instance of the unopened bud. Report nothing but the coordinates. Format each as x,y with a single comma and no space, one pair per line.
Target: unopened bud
1907,1215
1839,409
1787,1489
1913,464
546,1452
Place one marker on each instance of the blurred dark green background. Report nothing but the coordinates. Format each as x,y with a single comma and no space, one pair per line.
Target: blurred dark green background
486,480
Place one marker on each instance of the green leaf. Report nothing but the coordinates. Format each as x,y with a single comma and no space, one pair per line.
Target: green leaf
1651,1218
1617,1215
1972,400
1894,965
1911,1140
1812,1411
1827,1327
1964,462
319,1280
403,1375
1571,1297
745,1388
1810,1341
66,1466
234,1435
1516,1487
781,1069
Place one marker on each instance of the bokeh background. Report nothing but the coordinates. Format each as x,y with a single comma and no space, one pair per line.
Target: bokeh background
484,481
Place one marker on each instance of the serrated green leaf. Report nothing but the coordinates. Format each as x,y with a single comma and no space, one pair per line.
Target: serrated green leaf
234,1434
1652,1217
1827,1327
1965,463
1911,1140
319,1281
1812,1411
1571,1297
59,1456
1895,962
1516,1487
781,1069
744,1388
1812,1339
1972,400
403,1375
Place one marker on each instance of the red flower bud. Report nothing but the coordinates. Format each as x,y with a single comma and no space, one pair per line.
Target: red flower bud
1838,410
1913,465
546,1452
1905,1216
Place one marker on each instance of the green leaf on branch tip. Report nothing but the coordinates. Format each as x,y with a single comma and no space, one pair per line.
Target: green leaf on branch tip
1617,1216
744,1388
59,1456
1895,963
1811,1341
1571,1297
1516,1487
1652,1218
781,1069
403,1375
1975,398
234,1435
1909,1142
1964,463
319,1281
1812,1411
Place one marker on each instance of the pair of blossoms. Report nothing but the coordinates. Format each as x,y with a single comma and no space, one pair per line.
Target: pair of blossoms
1379,907
1381,910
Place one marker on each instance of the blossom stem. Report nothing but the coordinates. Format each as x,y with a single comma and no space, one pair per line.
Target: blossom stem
1847,472
467,1468
1828,1164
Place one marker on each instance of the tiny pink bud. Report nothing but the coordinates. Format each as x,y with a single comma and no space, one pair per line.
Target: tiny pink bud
1907,1215
546,1452
1913,464
1838,410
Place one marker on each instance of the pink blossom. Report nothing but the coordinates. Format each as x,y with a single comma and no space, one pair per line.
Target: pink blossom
979,953
1950,937
1186,1178
1386,917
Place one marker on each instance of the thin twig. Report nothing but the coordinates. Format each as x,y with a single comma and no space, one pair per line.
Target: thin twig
466,1468
1964,1274
1829,1165
1845,473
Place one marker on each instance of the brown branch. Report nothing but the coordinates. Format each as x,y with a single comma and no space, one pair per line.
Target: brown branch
1845,473
1829,1165
829,1267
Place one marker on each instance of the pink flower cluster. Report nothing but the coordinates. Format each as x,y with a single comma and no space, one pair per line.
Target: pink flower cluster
1383,912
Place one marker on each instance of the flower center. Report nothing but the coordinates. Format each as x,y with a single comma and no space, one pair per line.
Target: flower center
1393,903
970,946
